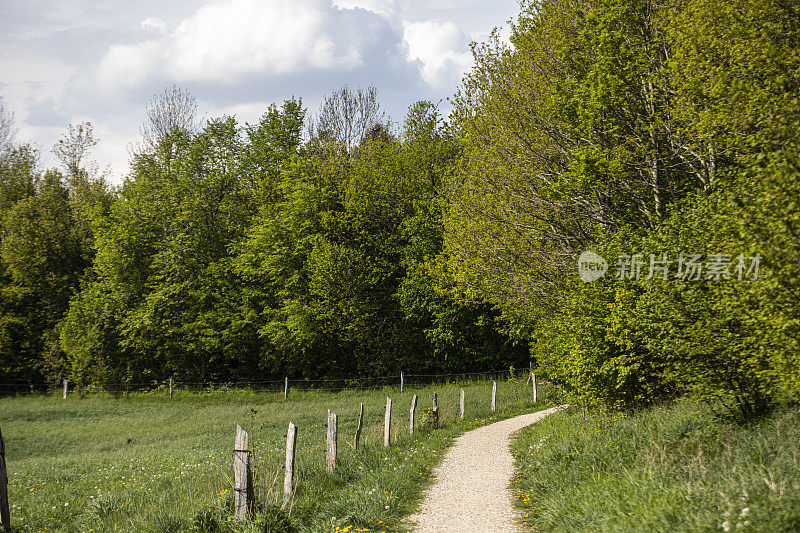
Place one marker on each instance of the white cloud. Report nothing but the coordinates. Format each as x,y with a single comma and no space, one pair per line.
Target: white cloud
387,8
442,48
225,41
128,66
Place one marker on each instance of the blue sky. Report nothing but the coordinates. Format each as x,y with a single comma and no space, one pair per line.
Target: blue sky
75,60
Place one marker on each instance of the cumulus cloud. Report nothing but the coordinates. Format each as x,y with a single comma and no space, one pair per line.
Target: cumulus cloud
125,65
442,48
387,8
228,40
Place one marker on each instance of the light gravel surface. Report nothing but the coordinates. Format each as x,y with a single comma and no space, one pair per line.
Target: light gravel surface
471,491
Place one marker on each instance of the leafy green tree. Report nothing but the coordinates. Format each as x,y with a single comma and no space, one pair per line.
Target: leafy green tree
271,145
340,271
567,137
616,125
44,260
46,249
19,175
167,300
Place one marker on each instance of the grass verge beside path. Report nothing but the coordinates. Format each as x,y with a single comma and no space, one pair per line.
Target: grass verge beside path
149,464
672,468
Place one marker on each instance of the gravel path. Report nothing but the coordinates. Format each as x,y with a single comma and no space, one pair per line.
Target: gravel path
471,488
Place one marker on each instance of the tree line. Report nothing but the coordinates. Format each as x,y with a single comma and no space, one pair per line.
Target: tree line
660,135
239,251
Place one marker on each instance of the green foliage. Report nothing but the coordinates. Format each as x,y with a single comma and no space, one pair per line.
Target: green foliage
237,252
637,128
165,284
272,143
45,251
18,175
337,271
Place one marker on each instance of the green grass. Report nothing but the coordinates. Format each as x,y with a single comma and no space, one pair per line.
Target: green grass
672,468
148,463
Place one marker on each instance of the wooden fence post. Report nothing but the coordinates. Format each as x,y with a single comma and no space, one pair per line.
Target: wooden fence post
170,388
387,422
534,387
413,412
333,441
285,388
461,404
360,423
402,380
288,478
435,411
494,395
5,514
243,477
66,385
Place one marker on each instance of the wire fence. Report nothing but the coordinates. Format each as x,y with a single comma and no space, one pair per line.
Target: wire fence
270,385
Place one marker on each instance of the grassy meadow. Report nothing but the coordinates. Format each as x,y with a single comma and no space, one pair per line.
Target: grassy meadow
147,463
671,468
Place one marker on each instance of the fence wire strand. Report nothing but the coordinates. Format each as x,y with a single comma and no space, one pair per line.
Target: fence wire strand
277,385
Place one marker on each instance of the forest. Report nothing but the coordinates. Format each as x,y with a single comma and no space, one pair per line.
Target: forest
659,135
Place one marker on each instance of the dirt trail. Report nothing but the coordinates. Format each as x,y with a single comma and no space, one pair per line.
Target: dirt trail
471,491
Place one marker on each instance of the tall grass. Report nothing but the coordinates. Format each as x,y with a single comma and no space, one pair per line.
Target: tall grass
148,463
672,468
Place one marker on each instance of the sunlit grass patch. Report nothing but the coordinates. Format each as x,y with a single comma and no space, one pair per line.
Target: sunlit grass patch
147,463
671,468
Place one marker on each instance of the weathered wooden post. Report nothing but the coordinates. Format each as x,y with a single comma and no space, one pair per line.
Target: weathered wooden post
66,386
402,380
534,387
413,413
494,395
387,422
243,477
360,423
170,388
5,513
461,404
288,478
435,411
333,441
285,388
